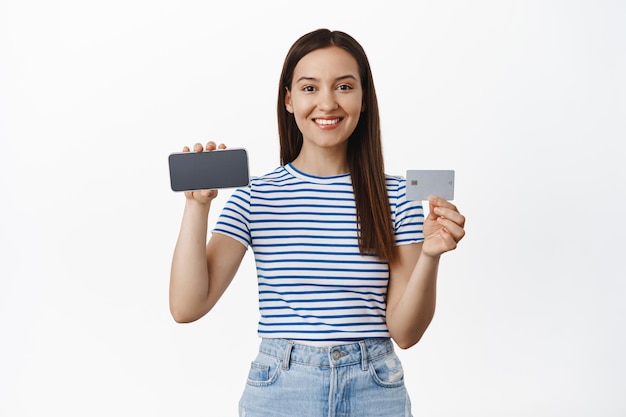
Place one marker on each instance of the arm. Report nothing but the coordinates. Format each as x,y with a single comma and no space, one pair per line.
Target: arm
411,294
412,288
200,274
200,271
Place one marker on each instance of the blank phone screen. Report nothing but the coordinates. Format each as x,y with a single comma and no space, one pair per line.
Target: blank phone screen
224,168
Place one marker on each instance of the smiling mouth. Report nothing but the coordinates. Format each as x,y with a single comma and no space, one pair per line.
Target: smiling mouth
328,122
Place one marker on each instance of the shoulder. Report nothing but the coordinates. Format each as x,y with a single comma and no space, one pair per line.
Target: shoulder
278,175
395,180
396,186
396,191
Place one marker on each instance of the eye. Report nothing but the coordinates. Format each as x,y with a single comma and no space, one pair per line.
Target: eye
344,87
308,88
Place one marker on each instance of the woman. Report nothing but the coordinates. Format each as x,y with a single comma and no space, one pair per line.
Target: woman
345,263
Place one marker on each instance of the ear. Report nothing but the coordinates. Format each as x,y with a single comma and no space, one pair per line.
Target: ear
288,105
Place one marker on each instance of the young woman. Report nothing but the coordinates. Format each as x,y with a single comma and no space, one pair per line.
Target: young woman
345,263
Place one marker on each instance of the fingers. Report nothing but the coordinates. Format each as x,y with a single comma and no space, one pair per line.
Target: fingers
451,229
210,146
440,202
450,241
448,217
450,214
204,195
440,207
201,196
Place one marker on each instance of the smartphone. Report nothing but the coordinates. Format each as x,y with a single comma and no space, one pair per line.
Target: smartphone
421,184
221,168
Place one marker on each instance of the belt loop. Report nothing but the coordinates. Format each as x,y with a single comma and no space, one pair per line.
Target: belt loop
287,357
364,359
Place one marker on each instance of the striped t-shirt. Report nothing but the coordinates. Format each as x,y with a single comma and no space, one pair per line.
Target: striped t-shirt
313,283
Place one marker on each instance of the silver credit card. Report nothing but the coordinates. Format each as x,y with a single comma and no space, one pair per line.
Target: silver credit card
423,183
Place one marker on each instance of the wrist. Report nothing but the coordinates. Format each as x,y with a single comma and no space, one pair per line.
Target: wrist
195,207
430,258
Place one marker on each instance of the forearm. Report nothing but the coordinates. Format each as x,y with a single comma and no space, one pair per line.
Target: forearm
189,279
411,315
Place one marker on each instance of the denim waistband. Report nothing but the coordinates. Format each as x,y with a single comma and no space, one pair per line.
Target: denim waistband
289,351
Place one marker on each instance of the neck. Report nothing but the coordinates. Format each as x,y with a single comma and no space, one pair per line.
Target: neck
322,163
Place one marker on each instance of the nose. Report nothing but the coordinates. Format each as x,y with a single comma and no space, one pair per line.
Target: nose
326,100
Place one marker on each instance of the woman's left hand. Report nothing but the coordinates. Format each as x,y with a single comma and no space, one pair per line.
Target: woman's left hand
443,228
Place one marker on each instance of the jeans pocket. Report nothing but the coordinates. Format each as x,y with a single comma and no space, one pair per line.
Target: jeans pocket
387,371
263,371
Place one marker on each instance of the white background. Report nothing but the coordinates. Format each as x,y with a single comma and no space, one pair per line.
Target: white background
526,100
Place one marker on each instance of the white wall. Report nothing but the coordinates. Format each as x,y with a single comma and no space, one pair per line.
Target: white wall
525,99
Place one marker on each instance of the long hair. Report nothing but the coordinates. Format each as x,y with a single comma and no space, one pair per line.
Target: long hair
365,157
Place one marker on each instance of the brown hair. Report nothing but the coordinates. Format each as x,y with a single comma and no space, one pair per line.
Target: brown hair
365,157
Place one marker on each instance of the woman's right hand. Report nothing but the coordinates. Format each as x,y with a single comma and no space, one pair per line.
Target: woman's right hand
203,196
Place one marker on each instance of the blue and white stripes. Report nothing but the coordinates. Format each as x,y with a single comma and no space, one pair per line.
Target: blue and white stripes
313,282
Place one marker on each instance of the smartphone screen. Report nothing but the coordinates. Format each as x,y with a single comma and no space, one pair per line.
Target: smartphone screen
222,168
421,184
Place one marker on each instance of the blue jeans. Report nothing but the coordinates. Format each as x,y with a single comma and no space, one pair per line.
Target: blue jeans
358,379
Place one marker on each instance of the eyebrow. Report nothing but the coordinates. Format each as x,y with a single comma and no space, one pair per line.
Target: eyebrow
343,77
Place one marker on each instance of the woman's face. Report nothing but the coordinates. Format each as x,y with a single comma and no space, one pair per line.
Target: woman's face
326,97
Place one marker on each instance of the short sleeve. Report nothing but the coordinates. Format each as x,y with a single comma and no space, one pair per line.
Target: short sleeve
234,220
408,216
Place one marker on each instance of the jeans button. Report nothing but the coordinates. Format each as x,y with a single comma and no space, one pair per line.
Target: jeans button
336,354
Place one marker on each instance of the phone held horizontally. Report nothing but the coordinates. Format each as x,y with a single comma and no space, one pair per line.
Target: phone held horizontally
221,168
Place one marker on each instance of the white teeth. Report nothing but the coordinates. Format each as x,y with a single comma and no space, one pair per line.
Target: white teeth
326,122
